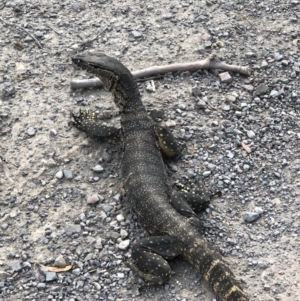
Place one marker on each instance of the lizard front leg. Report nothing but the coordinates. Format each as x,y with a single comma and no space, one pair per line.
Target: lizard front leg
87,121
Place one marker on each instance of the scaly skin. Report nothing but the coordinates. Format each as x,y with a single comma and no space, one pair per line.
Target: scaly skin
145,181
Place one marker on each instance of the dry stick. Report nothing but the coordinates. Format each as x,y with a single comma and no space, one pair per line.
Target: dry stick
6,173
54,29
16,25
212,62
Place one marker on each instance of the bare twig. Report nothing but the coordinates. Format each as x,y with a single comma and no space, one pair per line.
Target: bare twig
212,62
51,26
6,172
16,25
214,108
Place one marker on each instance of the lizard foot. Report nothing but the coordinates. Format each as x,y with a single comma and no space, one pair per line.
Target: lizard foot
150,279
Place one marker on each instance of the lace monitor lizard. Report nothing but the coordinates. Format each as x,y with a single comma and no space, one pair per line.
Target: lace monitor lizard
168,216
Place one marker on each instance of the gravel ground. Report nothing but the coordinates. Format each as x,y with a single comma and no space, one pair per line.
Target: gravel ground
59,190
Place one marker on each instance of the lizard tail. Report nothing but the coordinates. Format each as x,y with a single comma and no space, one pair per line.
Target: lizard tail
215,271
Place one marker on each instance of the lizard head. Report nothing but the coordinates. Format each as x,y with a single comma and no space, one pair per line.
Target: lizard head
101,65
112,73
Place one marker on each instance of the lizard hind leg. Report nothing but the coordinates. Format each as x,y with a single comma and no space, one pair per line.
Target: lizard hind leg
189,200
197,188
87,121
194,195
186,204
150,256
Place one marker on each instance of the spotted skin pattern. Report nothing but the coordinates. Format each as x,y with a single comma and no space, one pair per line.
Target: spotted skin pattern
165,215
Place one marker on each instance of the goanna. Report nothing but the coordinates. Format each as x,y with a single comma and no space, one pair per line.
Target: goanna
168,216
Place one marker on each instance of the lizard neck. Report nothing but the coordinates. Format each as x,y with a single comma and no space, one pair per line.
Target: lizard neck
127,97
126,93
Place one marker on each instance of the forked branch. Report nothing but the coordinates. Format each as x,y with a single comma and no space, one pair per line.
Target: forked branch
212,62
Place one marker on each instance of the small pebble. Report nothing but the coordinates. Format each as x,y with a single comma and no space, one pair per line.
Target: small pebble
249,88
68,173
93,199
39,34
123,233
106,156
196,91
16,267
31,131
123,245
41,285
53,132
60,262
120,275
107,208
201,104
230,98
149,87
59,174
73,228
226,108
225,77
120,218
117,197
261,89
206,173
98,168
246,167
278,56
207,44
51,276
4,226
274,93
77,6
250,134
136,34
211,166
251,217
258,210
